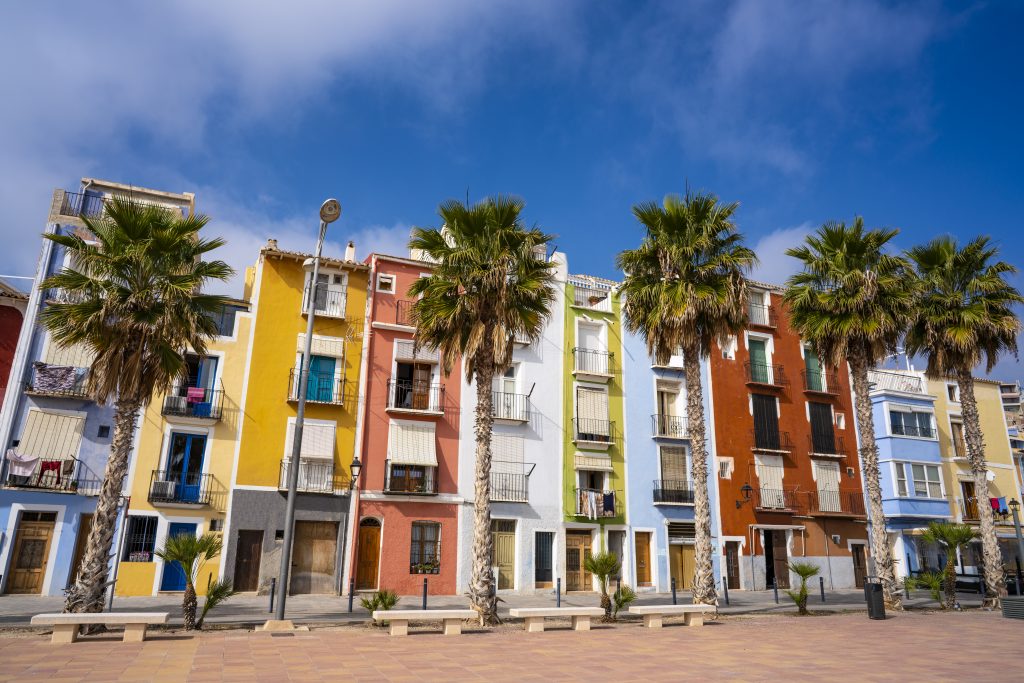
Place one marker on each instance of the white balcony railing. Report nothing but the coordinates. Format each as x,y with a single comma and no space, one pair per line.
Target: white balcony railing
889,380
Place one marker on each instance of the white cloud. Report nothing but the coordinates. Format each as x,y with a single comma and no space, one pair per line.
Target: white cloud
774,267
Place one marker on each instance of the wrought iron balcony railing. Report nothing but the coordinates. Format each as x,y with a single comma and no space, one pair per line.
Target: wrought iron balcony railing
511,483
510,406
66,475
415,396
826,443
913,430
849,503
759,315
58,380
597,503
593,362
314,477
820,382
410,479
887,380
80,204
179,488
194,402
765,374
328,303
673,491
593,431
594,299
771,440
669,426
776,499
321,387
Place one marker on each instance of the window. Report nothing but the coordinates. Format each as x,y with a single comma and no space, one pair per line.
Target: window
901,480
544,544
140,540
956,428
674,466
317,440
729,348
760,363
592,415
927,483
766,422
823,437
911,422
725,468
425,555
103,432
51,436
840,420
385,283
953,393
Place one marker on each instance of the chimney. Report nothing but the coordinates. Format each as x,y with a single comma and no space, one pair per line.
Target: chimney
272,244
350,251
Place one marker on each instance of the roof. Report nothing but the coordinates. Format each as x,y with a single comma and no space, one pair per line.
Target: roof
766,285
122,187
401,259
593,280
11,292
270,249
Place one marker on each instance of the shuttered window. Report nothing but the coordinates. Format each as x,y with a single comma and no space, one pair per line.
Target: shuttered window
507,453
76,355
51,436
412,444
681,530
592,410
317,441
769,471
766,422
673,464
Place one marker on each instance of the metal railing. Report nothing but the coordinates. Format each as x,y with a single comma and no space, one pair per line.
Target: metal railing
592,430
314,477
761,316
510,406
194,402
410,479
511,487
594,299
66,475
179,488
669,426
672,491
837,502
58,380
80,204
322,387
776,499
328,303
418,396
820,382
969,509
913,430
771,440
826,444
403,312
593,362
596,503
765,373
887,380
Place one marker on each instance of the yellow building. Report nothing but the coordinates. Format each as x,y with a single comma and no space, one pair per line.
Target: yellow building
184,462
1003,483
276,286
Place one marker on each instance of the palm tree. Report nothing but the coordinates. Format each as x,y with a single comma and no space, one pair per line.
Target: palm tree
805,570
491,283
134,298
954,537
191,552
852,302
965,314
604,566
685,286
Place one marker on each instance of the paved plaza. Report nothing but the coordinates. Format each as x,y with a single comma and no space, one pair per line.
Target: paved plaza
928,646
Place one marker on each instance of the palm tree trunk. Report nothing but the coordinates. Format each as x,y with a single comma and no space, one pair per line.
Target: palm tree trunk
949,578
189,604
87,593
993,563
881,551
482,595
703,575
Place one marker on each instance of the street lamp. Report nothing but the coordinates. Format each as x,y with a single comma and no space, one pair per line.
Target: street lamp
746,490
1015,509
329,212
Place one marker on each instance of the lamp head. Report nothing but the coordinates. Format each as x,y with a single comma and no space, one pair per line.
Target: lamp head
1014,505
356,467
746,490
330,211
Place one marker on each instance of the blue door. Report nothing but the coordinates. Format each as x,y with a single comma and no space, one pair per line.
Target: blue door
321,379
185,466
173,578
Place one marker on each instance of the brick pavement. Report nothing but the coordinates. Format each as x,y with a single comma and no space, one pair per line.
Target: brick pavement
909,646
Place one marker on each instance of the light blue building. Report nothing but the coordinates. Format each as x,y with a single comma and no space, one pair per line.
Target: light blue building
659,465
910,462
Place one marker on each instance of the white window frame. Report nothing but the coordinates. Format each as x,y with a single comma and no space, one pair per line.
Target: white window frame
389,277
907,408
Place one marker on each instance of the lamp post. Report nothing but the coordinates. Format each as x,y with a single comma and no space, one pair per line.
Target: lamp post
329,212
1015,509
355,468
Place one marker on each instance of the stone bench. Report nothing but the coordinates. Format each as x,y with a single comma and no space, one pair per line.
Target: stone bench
533,617
66,626
400,618
693,615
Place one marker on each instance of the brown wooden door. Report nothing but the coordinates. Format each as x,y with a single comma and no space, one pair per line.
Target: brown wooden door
314,557
577,551
30,557
248,554
421,387
84,527
643,558
732,564
682,565
368,554
860,566
780,558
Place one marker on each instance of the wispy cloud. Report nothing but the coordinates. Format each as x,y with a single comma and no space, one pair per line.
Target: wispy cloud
774,267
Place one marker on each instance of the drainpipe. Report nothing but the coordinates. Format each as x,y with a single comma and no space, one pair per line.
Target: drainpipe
828,556
753,584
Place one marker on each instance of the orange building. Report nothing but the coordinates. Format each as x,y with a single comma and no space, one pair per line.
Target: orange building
786,456
407,526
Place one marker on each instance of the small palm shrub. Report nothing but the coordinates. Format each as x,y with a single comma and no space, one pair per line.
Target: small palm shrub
805,570
622,598
191,553
216,593
930,581
953,537
603,566
381,600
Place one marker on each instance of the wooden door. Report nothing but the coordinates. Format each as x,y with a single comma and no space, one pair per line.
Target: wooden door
780,558
505,552
314,558
643,558
683,563
30,557
421,387
248,553
860,565
84,527
577,551
732,564
368,554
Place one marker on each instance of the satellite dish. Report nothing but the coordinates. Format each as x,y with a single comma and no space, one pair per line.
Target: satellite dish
990,475
330,210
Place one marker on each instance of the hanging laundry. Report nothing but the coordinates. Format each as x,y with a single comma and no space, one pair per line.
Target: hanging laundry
609,503
21,465
195,394
56,379
55,466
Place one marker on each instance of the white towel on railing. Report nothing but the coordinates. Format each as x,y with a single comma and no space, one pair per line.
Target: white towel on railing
592,504
22,465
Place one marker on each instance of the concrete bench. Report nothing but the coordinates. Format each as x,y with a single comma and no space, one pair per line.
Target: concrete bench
66,626
533,617
400,618
693,615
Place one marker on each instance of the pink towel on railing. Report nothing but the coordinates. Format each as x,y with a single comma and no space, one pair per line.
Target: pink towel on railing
195,394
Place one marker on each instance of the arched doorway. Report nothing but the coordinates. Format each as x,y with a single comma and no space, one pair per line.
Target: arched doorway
368,554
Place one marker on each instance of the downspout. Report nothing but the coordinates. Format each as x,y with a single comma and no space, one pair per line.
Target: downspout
753,583
828,556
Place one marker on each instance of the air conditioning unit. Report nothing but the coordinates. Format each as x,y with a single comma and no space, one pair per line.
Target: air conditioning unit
216,525
836,539
163,489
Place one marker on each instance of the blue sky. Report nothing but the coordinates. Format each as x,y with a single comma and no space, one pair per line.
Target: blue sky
906,113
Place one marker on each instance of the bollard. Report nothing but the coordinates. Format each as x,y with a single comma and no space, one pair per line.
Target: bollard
1020,581
821,585
351,593
424,593
775,587
982,581
558,592
906,588
273,588
674,591
725,591
618,585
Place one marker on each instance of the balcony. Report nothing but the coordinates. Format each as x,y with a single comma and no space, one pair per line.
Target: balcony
194,403
78,204
314,477
511,484
67,475
826,444
597,503
969,509
837,503
820,382
179,488
329,303
918,431
669,426
592,299
322,387
781,500
886,380
62,381
417,480
765,375
759,315
771,440
510,407
409,396
673,492
591,433
593,364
